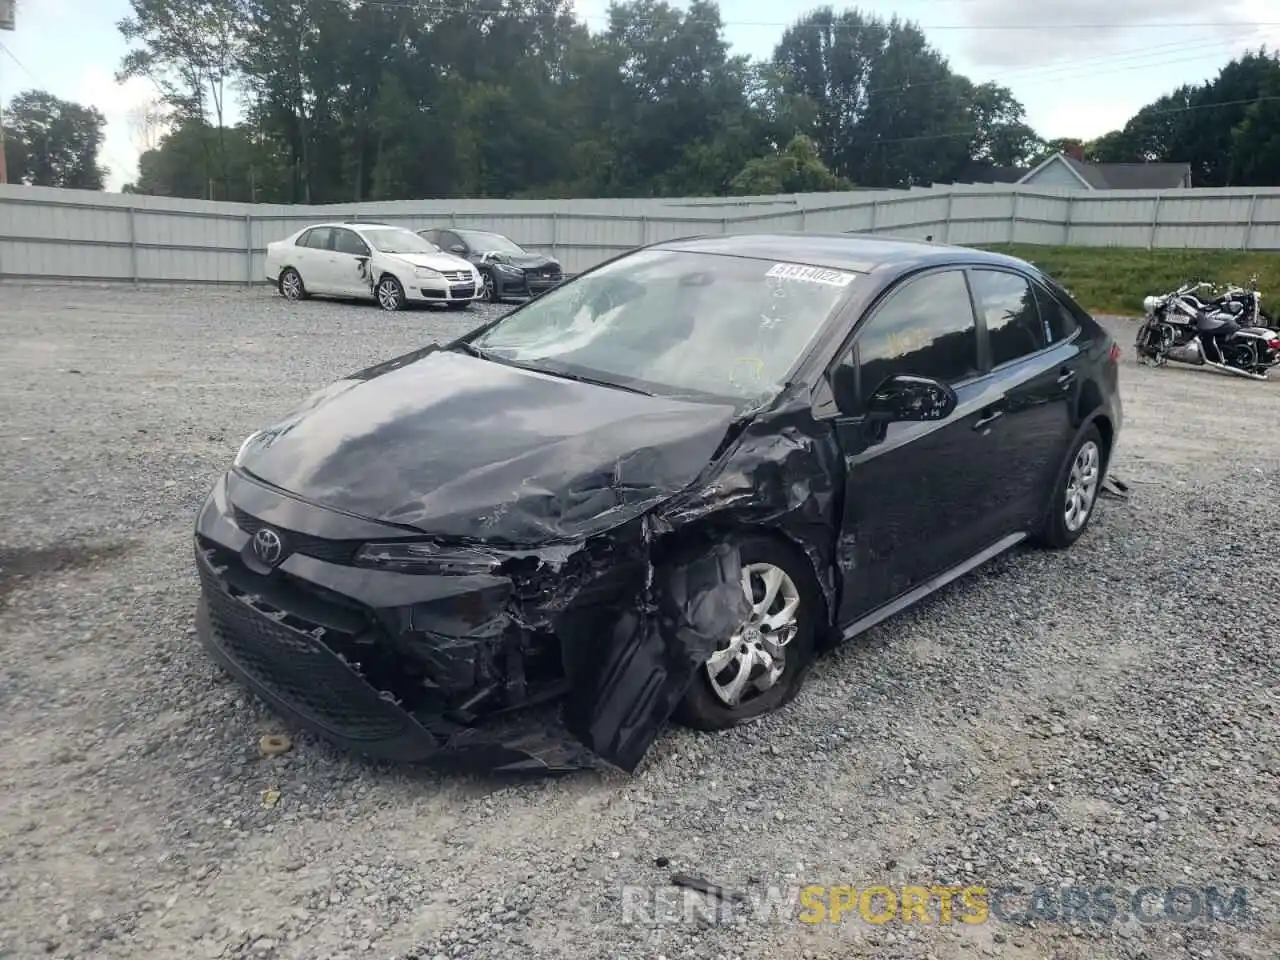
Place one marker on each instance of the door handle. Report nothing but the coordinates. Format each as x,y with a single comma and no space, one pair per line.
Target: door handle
1066,378
988,417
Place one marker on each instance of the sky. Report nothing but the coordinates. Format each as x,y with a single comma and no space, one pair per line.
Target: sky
1080,67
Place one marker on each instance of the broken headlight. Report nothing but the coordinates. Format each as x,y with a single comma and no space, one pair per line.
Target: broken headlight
244,447
427,558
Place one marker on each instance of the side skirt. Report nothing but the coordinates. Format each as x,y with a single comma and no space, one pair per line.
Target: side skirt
929,586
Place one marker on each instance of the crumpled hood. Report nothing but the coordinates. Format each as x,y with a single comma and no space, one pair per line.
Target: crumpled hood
526,261
436,261
456,446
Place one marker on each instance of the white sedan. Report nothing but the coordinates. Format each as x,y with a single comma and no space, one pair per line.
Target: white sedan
391,265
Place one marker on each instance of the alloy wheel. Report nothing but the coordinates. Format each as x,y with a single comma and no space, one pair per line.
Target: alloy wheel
1082,486
389,294
490,291
753,659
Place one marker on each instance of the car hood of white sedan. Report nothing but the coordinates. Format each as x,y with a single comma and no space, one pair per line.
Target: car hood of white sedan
436,261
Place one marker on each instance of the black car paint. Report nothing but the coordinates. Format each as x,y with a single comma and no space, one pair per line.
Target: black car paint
613,574
528,274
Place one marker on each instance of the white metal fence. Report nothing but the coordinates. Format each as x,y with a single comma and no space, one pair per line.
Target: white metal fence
71,234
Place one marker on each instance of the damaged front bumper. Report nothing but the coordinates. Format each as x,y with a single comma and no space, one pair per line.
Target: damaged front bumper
570,657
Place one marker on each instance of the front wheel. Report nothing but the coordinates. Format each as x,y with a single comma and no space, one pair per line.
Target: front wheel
389,293
1074,495
761,665
490,287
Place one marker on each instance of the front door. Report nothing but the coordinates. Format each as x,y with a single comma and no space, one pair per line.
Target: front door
916,493
350,264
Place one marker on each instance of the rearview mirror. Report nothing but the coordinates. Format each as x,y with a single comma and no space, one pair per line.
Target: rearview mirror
458,248
908,398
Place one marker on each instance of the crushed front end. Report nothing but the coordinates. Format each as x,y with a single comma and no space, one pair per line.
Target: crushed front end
569,656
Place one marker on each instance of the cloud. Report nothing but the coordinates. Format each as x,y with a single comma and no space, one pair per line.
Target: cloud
1129,25
118,102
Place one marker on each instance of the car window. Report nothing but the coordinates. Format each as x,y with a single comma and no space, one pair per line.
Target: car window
1058,320
448,240
487,242
1008,305
345,241
925,327
318,238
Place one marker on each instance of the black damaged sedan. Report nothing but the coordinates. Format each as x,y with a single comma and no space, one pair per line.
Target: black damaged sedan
657,491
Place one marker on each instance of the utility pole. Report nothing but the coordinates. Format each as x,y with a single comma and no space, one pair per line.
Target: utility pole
6,23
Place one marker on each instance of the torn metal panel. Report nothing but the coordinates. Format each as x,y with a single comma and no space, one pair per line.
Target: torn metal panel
784,471
621,694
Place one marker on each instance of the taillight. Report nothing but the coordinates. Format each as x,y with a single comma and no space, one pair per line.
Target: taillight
1273,344
1114,355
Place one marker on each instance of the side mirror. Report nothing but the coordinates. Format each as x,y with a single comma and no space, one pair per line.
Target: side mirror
908,398
458,248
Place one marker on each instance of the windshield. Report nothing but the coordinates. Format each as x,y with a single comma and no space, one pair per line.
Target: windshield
398,240
483,242
681,322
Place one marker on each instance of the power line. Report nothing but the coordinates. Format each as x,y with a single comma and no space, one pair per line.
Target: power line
1170,110
12,56
1055,73
437,7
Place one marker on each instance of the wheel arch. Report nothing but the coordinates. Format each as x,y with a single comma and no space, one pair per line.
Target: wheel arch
1093,412
719,528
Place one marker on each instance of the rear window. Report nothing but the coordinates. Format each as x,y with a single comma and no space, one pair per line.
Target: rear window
1060,321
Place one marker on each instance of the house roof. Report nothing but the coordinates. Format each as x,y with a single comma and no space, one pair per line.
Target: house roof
1121,176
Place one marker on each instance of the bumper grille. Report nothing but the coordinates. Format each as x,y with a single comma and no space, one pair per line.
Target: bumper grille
294,664
468,291
331,551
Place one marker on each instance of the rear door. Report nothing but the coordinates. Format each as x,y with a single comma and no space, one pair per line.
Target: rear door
1039,376
313,260
918,497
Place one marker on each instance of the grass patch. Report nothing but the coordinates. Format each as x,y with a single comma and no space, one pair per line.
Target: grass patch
1115,279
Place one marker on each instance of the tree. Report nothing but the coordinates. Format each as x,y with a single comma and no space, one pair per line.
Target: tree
796,169
1223,128
1001,135
50,142
889,110
349,101
147,123
189,50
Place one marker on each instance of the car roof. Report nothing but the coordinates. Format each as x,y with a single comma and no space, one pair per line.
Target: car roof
858,253
354,225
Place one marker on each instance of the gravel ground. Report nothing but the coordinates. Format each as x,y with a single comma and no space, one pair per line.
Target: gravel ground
1103,716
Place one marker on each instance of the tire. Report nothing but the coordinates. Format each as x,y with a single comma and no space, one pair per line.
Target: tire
291,286
705,709
389,293
1058,530
490,287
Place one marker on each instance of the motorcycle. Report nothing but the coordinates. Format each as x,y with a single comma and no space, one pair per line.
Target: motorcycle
1223,332
1243,302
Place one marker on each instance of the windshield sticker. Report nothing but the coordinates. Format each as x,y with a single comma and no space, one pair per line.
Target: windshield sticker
796,271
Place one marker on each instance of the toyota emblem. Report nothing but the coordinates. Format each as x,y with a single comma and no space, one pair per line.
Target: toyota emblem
267,546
